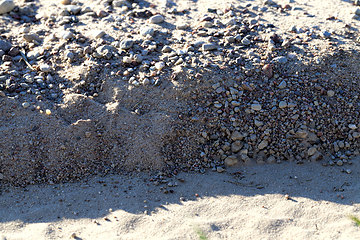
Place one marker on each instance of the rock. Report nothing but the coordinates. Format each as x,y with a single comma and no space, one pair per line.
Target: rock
237,136
1,176
268,70
339,163
97,33
236,146
67,35
352,126
45,68
126,44
220,169
6,6
166,49
73,9
330,93
25,105
31,37
209,47
282,104
282,84
231,161
311,151
159,65
317,155
301,134
256,106
105,51
5,45
156,19
281,60
147,31
263,144
245,41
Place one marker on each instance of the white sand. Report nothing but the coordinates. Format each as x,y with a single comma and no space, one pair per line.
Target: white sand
229,206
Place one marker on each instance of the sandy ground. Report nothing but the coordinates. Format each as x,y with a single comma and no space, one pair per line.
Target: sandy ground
282,201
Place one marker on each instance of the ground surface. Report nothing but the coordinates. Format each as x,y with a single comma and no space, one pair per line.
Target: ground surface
222,89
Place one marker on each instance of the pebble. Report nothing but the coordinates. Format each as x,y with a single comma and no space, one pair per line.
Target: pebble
263,144
330,93
67,35
73,9
159,65
31,37
281,60
5,45
282,104
256,106
237,136
282,84
231,161
311,151
126,44
45,68
25,105
220,169
144,31
352,126
97,33
209,47
156,19
339,163
6,6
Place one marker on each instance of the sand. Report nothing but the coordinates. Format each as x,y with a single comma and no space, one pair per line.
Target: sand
281,201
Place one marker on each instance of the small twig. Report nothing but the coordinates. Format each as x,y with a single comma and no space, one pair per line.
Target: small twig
26,61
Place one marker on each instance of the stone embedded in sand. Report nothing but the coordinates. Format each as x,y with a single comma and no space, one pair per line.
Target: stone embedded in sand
45,68
209,47
5,45
25,105
73,9
282,104
31,37
231,161
147,31
263,144
236,135
236,146
159,65
126,44
311,151
301,134
97,34
256,106
156,19
282,84
6,6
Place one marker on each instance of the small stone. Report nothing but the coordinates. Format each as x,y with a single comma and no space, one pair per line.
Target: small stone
256,106
301,134
339,163
2,94
97,33
6,6
281,60
352,126
282,104
245,41
48,112
156,19
282,84
31,37
147,31
65,2
330,93
231,161
5,45
166,49
268,70
159,65
1,176
45,68
263,144
237,136
25,105
326,34
209,47
73,9
126,44
220,169
311,151
67,35
236,146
